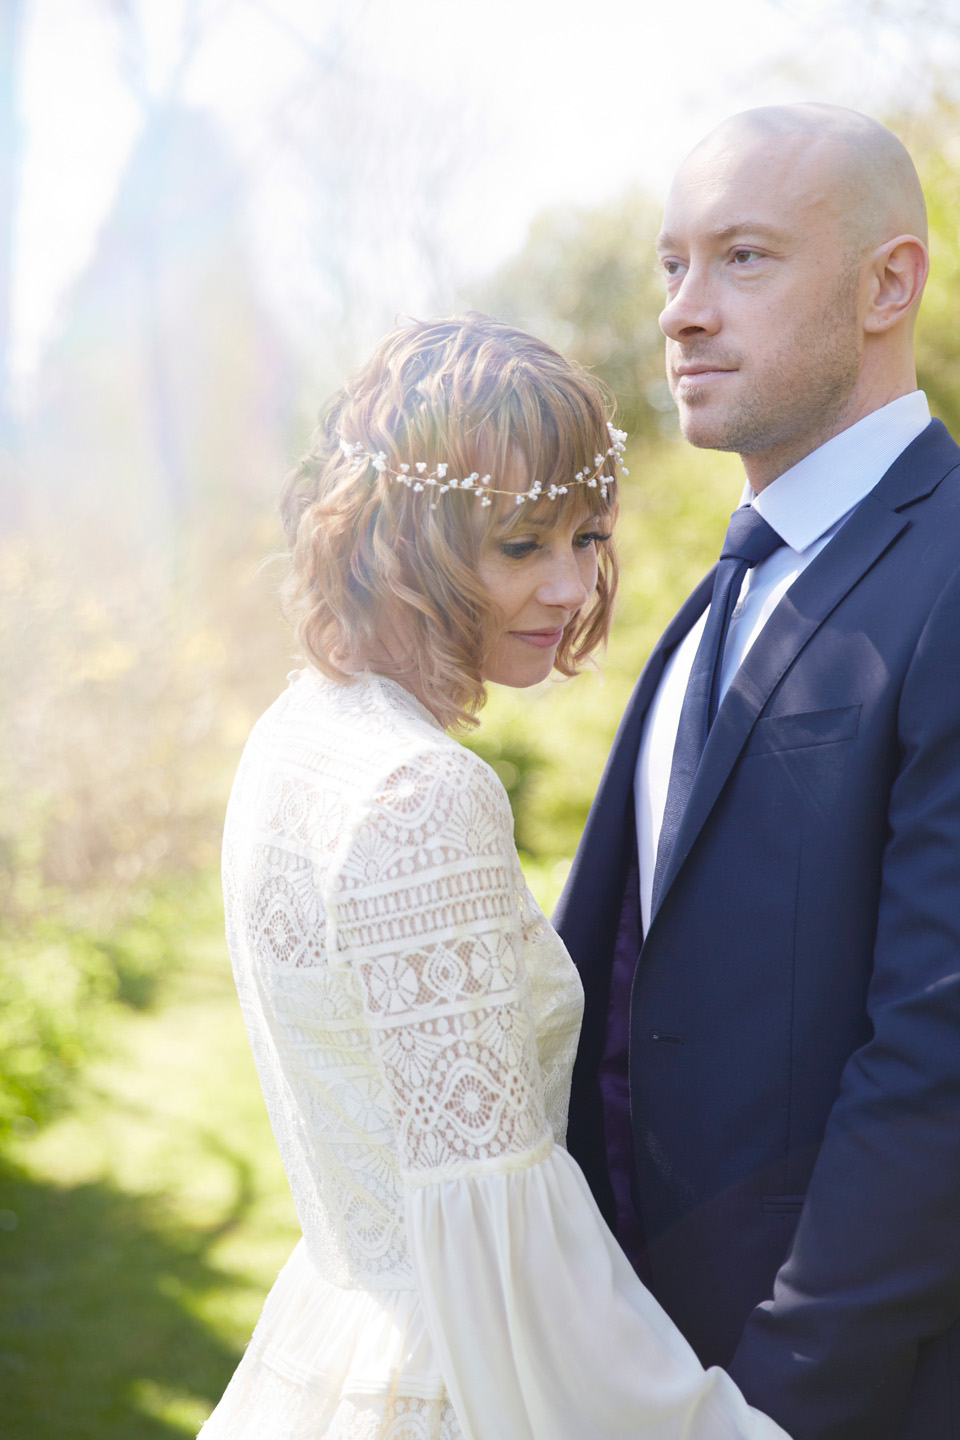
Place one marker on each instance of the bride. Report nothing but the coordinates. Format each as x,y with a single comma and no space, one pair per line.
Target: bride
413,1016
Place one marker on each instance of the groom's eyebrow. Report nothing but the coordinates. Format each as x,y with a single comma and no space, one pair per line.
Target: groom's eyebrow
758,228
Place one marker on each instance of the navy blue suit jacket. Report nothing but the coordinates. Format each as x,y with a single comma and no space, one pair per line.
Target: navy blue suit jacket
794,1064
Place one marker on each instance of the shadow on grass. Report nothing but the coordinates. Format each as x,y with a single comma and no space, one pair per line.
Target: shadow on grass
101,1303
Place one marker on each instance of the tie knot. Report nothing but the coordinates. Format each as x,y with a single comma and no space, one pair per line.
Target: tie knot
749,537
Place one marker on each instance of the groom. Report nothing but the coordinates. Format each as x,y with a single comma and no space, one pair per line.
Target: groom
767,1102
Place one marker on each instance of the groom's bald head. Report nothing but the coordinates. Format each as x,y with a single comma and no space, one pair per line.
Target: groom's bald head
852,164
794,258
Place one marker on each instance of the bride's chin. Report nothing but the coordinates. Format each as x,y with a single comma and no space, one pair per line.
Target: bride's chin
516,673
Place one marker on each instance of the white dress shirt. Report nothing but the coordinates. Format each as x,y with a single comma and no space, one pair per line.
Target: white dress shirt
806,505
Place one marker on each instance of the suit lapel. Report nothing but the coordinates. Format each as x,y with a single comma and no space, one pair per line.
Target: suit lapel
871,529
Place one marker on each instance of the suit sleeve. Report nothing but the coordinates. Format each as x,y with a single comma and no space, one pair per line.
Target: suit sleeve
874,1269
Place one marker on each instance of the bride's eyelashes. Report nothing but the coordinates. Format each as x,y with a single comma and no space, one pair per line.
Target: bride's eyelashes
591,537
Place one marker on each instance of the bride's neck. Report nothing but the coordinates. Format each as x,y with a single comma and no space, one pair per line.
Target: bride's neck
389,654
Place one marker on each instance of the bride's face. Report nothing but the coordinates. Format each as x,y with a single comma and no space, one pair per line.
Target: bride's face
538,575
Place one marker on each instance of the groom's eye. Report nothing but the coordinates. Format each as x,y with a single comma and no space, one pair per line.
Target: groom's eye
741,257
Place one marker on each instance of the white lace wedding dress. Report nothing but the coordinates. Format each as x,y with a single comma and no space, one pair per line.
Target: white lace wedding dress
414,1021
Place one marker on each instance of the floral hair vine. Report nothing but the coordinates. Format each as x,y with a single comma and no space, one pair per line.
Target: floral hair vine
418,476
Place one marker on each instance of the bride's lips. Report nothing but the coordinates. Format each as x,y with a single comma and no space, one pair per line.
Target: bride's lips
543,638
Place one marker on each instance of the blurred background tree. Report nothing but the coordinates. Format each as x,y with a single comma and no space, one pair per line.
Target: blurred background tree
586,278
936,146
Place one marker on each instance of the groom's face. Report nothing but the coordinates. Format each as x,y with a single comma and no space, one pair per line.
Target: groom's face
763,286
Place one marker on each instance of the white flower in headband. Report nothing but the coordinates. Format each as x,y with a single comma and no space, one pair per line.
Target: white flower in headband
417,475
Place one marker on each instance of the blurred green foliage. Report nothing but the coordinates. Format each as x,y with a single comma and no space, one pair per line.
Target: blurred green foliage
587,281
128,694
936,150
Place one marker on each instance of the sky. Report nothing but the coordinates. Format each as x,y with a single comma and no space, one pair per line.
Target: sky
502,106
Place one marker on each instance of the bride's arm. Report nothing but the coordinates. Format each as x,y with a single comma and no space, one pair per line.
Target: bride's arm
541,1327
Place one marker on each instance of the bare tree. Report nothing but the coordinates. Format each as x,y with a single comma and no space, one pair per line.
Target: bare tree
161,114
11,30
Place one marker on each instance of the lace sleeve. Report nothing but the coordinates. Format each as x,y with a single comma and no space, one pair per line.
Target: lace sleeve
542,1330
426,907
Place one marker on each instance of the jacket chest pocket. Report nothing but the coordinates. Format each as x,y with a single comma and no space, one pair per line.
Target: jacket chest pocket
803,731
782,1204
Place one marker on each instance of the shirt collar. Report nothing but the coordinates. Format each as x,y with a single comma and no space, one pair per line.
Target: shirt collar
812,496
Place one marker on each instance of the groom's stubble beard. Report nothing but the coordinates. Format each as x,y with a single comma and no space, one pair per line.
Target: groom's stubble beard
794,399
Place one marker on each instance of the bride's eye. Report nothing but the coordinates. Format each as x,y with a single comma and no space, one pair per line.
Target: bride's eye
586,538
516,549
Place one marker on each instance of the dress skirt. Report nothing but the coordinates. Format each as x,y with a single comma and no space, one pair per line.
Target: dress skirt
337,1364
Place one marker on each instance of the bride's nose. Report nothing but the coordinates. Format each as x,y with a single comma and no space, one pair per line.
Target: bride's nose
571,580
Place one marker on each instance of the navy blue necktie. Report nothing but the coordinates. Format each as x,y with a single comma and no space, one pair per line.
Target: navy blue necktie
749,539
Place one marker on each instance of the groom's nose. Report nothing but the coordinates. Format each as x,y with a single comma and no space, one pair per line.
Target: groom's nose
692,309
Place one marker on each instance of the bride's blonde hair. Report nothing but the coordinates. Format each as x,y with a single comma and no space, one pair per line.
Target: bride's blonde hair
473,395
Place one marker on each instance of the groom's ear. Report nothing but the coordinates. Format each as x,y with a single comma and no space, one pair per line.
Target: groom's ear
897,273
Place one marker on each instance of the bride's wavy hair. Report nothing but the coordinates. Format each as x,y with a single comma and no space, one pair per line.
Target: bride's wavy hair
476,395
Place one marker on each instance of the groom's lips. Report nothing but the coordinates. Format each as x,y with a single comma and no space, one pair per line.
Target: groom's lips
698,374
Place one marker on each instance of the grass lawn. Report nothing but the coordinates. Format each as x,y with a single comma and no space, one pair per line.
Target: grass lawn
139,1235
